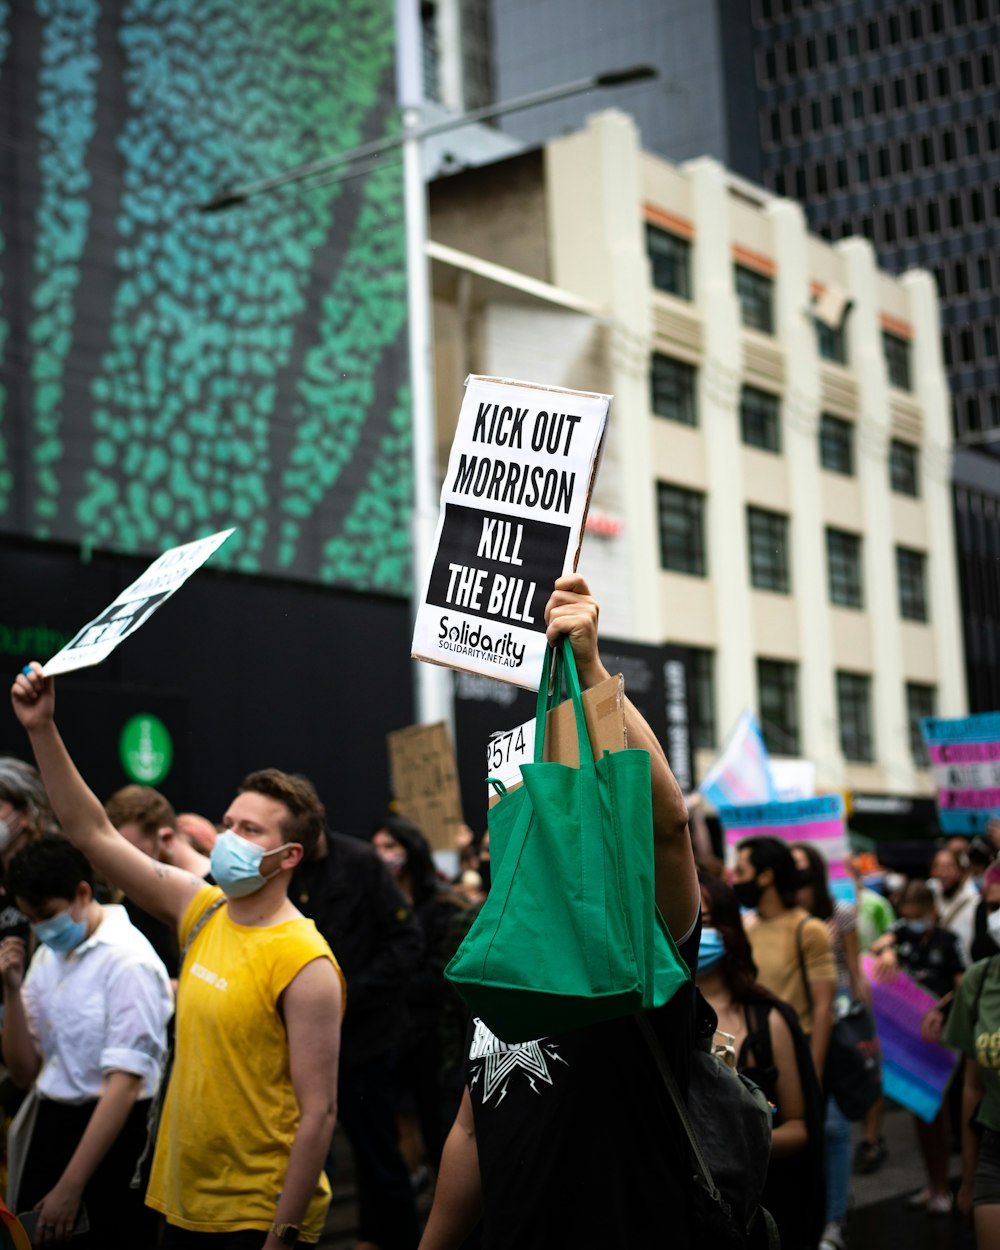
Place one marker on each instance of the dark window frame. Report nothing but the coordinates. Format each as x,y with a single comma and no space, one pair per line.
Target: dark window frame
673,388
845,578
921,701
904,468
760,419
670,263
769,558
688,554
911,584
836,444
778,705
755,293
854,717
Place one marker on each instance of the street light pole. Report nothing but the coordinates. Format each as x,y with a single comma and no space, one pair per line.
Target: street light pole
432,683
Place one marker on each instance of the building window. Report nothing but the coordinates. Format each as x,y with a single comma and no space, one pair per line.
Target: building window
682,529
768,535
904,477
911,577
702,699
670,256
843,558
837,110
836,444
921,701
778,699
854,709
897,359
831,343
759,419
673,390
756,295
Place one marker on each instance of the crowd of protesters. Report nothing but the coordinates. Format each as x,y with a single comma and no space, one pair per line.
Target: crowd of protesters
188,1008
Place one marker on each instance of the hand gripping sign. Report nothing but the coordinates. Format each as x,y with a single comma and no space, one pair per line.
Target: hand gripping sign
513,507
134,606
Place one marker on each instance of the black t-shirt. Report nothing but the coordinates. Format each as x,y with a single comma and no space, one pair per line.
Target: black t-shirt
578,1142
931,959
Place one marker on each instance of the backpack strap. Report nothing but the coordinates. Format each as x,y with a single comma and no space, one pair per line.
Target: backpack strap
670,1081
758,1038
802,966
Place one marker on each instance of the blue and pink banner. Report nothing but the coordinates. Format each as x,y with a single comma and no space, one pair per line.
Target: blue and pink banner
742,773
915,1073
965,755
819,821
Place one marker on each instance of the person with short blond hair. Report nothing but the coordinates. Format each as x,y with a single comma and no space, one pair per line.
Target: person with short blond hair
251,1105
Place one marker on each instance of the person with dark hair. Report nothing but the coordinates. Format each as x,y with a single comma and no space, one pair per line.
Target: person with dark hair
772,1050
930,955
87,1027
792,950
360,910
405,852
251,1105
841,919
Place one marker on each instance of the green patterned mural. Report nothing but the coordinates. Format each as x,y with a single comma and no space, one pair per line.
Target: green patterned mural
164,373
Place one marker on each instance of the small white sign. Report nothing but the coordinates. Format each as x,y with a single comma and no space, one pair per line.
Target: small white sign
134,606
513,508
506,753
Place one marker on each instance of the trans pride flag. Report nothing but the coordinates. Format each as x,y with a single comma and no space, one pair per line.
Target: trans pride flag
819,821
965,754
742,773
915,1073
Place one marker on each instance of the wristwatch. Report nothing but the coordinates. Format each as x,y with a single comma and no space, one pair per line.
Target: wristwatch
287,1234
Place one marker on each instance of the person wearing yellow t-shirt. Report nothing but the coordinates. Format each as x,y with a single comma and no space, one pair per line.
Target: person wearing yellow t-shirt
252,1102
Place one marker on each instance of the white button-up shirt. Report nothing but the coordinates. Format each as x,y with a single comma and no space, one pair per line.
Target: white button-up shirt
100,1008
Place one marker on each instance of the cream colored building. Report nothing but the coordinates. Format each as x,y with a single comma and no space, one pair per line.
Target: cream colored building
775,495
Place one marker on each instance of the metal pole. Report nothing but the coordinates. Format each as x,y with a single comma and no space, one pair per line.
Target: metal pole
433,684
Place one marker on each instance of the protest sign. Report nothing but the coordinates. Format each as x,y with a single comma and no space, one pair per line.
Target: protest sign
134,606
513,507
915,1073
819,821
425,782
742,772
965,755
604,712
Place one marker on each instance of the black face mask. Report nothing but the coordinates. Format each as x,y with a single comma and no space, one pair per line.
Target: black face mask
747,892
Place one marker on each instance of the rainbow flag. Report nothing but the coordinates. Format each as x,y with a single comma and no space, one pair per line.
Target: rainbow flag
965,754
915,1073
819,821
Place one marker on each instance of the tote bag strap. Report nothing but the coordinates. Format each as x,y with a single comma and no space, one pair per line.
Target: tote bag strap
550,695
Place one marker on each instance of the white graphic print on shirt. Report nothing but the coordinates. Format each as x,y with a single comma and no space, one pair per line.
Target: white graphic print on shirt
496,1062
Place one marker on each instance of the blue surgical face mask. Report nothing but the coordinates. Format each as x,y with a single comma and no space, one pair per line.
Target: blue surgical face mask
61,933
918,926
711,948
236,864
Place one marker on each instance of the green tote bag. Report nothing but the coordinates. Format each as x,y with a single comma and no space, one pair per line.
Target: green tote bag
570,933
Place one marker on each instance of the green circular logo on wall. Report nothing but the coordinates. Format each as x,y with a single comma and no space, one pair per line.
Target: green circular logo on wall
146,749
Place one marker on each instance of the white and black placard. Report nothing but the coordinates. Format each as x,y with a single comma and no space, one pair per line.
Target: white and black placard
513,506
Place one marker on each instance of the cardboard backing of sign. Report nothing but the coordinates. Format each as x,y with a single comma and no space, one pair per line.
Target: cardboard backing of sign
513,508
424,779
604,710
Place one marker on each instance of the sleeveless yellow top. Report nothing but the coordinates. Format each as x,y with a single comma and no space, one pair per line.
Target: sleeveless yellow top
230,1114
